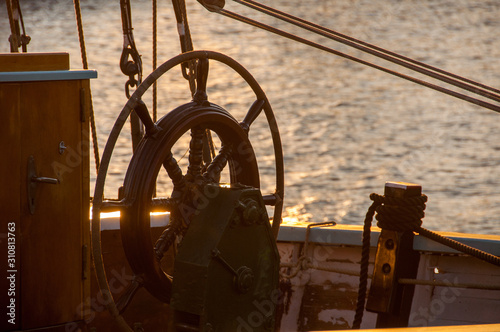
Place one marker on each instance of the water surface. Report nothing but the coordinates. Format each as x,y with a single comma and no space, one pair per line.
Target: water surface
346,129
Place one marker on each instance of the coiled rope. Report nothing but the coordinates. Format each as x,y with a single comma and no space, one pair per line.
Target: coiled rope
402,214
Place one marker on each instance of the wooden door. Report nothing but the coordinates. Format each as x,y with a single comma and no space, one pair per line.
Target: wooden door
10,193
52,236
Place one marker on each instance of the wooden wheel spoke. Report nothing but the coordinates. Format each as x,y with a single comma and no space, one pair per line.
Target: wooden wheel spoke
208,147
175,173
113,206
270,199
142,112
200,95
195,153
129,294
215,168
167,237
162,204
252,114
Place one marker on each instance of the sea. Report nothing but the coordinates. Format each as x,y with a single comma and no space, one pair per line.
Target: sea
346,128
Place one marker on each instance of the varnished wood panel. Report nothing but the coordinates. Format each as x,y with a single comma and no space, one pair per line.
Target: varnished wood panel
85,190
52,236
34,61
9,206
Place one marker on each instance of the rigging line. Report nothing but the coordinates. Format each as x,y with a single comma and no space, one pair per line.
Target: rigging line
13,39
188,69
83,50
282,33
15,18
417,66
155,57
24,38
185,41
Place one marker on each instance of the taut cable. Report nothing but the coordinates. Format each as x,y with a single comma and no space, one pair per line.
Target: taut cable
378,51
436,73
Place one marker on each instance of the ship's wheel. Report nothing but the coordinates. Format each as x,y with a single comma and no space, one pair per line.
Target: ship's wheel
201,119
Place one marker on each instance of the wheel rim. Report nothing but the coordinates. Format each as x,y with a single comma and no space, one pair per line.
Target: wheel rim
141,178
261,103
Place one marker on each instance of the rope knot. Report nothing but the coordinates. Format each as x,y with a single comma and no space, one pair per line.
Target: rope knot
399,214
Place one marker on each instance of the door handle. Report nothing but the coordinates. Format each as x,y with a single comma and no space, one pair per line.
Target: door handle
43,179
33,180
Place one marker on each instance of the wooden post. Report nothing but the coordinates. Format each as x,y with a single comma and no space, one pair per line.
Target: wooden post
395,259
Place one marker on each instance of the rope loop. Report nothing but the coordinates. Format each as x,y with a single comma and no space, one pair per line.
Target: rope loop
399,214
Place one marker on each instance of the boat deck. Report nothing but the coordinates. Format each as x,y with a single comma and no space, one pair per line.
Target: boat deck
461,291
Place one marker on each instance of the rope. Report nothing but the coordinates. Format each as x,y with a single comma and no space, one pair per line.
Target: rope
83,50
402,214
15,15
449,78
363,274
406,214
14,43
185,41
155,56
376,51
482,255
24,38
399,214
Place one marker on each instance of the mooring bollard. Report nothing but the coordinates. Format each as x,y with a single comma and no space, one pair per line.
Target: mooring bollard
395,259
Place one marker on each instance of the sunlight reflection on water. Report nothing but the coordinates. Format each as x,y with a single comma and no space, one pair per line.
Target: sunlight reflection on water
346,129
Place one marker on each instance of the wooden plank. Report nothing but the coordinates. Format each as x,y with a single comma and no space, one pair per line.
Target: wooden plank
9,208
33,61
47,75
84,145
438,305
468,311
454,328
52,236
466,264
351,234
317,299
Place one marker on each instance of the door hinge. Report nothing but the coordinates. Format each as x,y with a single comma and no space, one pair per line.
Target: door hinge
85,262
82,105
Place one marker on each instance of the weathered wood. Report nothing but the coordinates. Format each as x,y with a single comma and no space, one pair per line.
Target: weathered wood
438,305
452,328
317,299
329,249
33,61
